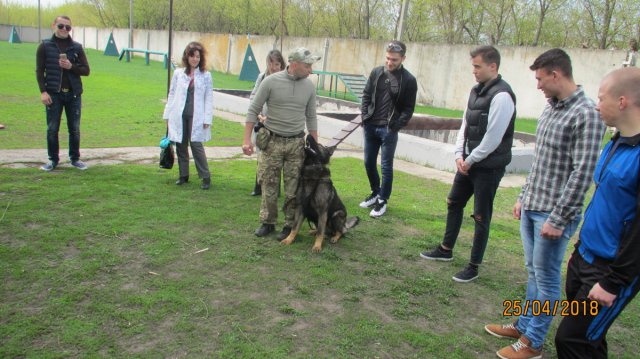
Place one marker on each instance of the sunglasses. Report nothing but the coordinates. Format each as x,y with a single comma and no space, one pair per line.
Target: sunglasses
393,47
63,26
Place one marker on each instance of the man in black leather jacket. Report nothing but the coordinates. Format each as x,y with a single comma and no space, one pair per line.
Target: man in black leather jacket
387,106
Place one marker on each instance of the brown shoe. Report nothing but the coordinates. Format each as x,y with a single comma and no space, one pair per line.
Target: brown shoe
519,350
503,330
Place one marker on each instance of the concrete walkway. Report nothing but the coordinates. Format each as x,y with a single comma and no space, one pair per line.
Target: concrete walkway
34,158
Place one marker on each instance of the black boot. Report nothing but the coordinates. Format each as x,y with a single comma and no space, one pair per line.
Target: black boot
284,234
182,180
257,189
206,183
265,229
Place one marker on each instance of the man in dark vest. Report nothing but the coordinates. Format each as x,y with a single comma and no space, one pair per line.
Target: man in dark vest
483,150
60,62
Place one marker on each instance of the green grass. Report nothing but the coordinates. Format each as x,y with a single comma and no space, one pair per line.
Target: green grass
104,263
437,111
122,103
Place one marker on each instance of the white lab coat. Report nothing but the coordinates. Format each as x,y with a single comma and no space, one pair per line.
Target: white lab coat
202,105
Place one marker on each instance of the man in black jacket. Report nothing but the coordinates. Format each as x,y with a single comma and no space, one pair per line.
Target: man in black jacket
483,150
60,62
388,101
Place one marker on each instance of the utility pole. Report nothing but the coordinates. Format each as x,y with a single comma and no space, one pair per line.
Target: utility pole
401,22
169,52
130,23
281,24
39,23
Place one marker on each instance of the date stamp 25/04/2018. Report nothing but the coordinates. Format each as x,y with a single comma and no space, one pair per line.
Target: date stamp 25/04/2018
536,308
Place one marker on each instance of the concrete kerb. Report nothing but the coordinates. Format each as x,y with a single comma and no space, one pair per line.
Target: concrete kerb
232,108
409,153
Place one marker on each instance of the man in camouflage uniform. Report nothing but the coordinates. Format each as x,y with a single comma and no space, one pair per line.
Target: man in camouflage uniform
291,99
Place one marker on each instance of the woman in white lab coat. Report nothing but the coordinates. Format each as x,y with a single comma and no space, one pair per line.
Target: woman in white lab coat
189,112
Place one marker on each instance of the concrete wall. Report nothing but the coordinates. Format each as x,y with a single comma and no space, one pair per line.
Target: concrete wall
414,149
443,71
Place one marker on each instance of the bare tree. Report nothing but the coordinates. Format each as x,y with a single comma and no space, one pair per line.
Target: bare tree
498,13
546,6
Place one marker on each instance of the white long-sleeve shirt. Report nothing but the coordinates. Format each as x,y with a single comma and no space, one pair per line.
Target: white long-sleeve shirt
500,113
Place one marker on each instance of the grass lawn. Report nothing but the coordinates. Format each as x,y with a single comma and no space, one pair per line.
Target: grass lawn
122,102
117,261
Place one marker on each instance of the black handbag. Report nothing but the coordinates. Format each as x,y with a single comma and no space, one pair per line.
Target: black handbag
166,153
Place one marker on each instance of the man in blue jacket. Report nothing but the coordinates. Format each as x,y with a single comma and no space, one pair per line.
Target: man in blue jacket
388,101
604,270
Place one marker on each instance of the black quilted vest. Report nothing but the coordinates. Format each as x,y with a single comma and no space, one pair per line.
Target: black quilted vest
477,121
53,71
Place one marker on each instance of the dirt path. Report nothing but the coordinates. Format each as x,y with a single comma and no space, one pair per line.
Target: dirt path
34,158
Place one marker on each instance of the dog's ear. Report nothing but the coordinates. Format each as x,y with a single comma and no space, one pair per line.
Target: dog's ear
330,150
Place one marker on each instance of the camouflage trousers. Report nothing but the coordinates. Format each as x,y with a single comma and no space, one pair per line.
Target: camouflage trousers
283,156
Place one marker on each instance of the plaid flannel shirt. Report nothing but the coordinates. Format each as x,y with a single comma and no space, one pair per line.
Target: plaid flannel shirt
568,141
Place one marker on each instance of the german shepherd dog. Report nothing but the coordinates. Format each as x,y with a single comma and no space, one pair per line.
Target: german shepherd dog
317,199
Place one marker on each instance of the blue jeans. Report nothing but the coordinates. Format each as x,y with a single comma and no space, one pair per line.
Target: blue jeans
543,260
375,139
72,107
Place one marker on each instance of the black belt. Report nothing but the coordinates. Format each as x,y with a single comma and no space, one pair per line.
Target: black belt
299,135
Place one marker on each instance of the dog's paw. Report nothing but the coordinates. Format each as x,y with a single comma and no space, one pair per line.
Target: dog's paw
336,238
317,248
287,241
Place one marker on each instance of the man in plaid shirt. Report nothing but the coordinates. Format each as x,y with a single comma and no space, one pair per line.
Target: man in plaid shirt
549,207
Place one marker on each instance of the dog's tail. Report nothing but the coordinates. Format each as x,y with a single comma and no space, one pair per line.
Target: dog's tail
351,222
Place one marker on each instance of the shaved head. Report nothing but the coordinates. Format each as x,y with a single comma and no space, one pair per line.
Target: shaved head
624,82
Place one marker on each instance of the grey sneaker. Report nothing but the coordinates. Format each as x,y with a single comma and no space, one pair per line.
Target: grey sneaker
369,201
469,273
79,165
438,254
49,166
379,208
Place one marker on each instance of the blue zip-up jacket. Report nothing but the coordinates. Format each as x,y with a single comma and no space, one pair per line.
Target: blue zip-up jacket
611,228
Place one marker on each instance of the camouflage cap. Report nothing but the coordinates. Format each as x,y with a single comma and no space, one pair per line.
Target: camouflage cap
301,54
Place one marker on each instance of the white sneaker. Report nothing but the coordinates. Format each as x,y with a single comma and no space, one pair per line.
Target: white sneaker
369,201
379,208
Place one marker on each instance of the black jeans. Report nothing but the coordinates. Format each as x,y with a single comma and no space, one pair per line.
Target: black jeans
585,335
72,106
482,184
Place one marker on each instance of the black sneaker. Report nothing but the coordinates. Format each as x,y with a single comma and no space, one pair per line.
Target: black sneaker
469,273
285,233
206,183
438,254
369,201
265,229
